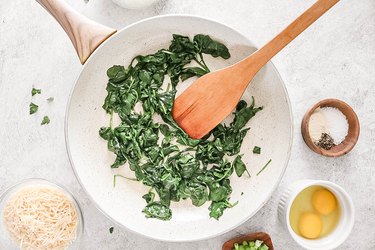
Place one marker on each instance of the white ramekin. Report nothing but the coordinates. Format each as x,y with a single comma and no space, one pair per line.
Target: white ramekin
344,226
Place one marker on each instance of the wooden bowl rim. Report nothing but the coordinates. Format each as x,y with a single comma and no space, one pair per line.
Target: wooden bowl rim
353,132
265,237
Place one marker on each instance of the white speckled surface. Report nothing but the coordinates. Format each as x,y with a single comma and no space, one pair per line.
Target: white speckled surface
333,58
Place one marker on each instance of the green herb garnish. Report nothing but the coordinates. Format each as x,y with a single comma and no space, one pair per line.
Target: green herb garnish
256,150
35,91
50,99
264,167
33,108
162,155
45,120
111,230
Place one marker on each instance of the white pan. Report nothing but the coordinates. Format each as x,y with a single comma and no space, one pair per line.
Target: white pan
271,129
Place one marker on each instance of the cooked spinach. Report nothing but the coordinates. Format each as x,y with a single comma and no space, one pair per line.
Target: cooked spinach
33,108
158,210
161,154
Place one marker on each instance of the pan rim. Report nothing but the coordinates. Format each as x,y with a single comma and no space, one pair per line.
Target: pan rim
291,134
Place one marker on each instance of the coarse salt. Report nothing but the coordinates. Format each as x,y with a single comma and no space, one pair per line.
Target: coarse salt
328,120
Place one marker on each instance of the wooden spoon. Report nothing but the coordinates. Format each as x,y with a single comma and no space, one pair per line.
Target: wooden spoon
212,97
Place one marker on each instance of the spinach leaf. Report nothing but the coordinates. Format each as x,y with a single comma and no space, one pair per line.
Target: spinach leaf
219,192
157,210
198,194
207,45
149,197
186,73
244,114
217,209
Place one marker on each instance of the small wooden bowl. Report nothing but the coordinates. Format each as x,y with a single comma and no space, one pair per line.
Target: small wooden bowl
353,131
229,245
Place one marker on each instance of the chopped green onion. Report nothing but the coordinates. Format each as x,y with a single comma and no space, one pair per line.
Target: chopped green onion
250,245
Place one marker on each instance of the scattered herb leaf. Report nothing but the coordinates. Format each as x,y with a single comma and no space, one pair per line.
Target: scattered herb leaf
50,99
33,108
257,150
263,168
35,91
45,120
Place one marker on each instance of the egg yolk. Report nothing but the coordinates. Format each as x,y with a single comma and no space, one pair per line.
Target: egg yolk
324,201
310,225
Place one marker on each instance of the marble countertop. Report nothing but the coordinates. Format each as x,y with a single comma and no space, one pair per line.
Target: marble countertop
334,58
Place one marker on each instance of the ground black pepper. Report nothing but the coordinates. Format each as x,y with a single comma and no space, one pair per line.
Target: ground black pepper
325,142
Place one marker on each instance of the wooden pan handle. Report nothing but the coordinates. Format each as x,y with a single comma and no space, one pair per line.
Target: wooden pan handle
85,34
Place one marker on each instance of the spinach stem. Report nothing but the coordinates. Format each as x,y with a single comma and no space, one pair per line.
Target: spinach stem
248,173
111,119
225,175
234,204
119,175
205,65
202,64
264,167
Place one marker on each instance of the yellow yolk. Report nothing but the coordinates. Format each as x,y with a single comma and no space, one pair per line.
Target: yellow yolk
324,201
310,225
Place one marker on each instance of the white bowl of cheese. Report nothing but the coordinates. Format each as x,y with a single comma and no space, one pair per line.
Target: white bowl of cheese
38,214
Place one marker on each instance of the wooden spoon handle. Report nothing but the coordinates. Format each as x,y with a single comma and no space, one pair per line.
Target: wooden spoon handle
85,34
257,60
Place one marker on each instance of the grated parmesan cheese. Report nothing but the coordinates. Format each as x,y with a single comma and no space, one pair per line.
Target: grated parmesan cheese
41,217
